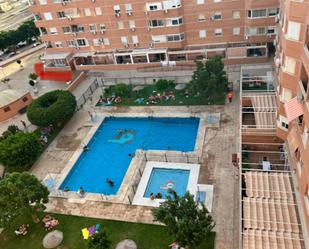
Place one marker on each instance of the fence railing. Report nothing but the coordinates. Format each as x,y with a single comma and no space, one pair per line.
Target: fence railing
87,94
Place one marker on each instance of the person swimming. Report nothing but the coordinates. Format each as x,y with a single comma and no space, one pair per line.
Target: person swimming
110,182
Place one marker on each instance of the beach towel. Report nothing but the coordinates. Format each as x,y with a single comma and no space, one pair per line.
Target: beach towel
91,230
98,227
85,233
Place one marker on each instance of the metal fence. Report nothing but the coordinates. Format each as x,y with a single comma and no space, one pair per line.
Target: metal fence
87,94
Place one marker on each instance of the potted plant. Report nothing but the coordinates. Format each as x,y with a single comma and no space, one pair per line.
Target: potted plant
6,81
33,77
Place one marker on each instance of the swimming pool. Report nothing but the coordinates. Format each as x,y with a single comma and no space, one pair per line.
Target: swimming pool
116,139
162,179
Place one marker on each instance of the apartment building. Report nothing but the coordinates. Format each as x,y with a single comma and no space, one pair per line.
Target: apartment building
131,34
292,61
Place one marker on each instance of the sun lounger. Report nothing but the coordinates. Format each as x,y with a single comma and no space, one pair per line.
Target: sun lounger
98,227
91,230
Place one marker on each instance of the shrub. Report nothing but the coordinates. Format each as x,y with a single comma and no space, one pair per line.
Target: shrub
56,108
162,85
99,241
33,76
19,149
122,90
11,130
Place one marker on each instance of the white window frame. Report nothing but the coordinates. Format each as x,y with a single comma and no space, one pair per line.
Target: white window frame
202,33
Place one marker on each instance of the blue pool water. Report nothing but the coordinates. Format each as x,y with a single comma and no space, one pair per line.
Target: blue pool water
162,179
116,138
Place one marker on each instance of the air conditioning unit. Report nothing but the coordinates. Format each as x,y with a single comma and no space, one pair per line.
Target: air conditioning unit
102,31
94,32
166,11
69,18
129,13
93,1
117,14
146,13
246,37
151,44
269,35
211,18
277,18
74,34
63,3
275,43
77,48
135,44
148,29
126,45
132,29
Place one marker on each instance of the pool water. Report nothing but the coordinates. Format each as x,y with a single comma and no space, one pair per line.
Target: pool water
116,139
162,179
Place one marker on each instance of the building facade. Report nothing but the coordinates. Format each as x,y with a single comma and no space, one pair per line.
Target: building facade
292,62
130,34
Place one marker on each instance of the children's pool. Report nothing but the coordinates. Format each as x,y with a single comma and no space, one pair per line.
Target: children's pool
163,179
118,138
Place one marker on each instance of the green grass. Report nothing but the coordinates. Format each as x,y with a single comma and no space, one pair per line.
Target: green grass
146,236
180,98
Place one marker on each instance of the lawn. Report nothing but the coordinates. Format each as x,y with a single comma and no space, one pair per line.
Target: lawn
180,97
146,236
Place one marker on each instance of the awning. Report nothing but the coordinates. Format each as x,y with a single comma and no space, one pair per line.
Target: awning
293,109
83,54
55,56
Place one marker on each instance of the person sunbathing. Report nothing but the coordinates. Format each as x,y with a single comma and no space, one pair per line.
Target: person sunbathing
22,230
50,224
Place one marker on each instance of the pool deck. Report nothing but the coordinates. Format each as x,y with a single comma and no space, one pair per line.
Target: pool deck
215,167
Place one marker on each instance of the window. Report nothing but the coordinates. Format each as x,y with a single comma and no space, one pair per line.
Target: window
217,16
217,1
289,65
286,95
58,44
120,25
283,122
135,39
156,23
218,32
80,29
171,4
102,28
71,43
25,99
199,1
256,31
53,31
293,31
92,27
158,38
124,40
106,41
87,12
98,11
236,14
174,21
236,31
257,13
175,37
128,8
271,30
82,42
117,10
66,30
202,33
96,42
48,16
273,11
7,109
43,2
132,24
61,14
201,18
153,6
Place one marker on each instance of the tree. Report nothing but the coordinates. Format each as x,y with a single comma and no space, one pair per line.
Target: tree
11,130
99,241
210,79
20,194
55,107
19,63
19,149
184,220
122,90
